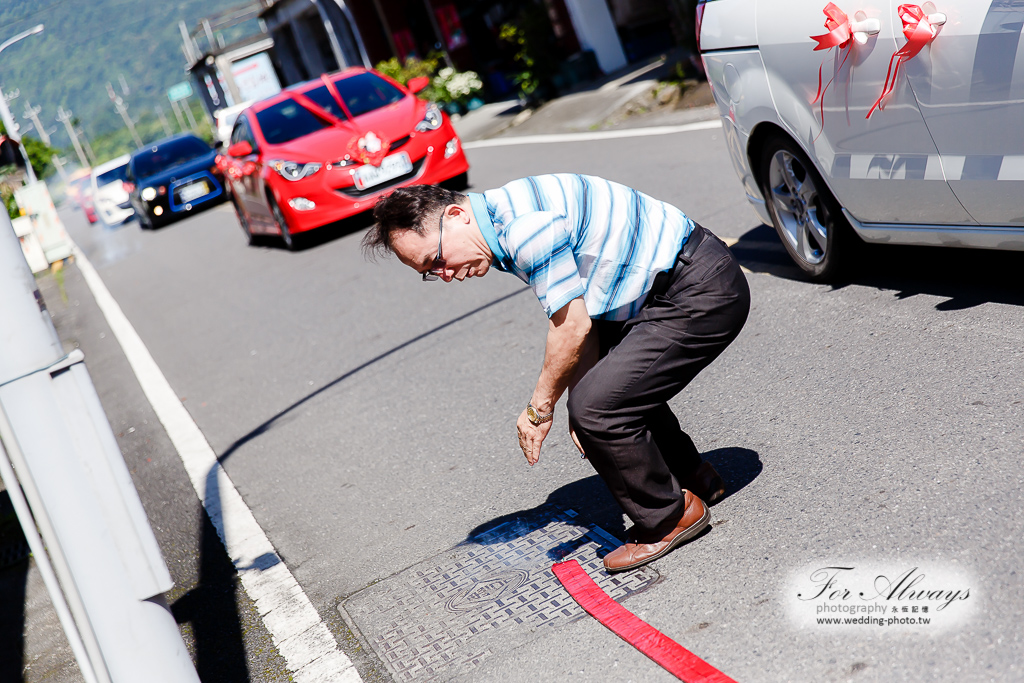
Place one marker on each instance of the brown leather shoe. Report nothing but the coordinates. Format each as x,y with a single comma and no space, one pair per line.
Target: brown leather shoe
639,551
706,483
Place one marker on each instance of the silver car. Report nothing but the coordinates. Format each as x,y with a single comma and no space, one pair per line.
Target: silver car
940,161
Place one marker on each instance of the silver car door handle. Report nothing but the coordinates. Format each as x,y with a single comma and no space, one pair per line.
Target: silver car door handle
934,18
862,27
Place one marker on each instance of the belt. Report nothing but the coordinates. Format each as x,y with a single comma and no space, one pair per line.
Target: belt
692,242
663,279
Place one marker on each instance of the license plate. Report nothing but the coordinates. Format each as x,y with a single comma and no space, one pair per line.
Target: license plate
392,167
193,191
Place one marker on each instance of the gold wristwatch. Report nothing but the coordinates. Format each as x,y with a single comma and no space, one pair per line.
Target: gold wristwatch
535,417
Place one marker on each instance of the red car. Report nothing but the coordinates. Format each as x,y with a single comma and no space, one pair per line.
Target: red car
324,150
80,192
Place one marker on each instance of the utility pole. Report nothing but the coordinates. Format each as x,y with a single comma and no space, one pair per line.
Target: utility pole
188,113
122,109
88,148
33,114
177,112
59,164
12,133
163,120
5,113
64,116
188,46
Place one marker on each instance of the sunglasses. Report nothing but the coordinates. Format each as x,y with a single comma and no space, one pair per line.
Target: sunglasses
437,266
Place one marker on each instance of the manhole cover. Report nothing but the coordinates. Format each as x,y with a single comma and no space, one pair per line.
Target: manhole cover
443,616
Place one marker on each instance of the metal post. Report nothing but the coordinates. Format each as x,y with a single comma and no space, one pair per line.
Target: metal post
224,67
163,120
59,164
188,112
357,35
177,113
33,114
122,109
12,133
331,35
437,33
78,493
186,43
209,35
88,148
382,17
64,116
12,129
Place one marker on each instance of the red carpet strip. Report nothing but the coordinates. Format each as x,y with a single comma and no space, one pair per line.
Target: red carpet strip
675,658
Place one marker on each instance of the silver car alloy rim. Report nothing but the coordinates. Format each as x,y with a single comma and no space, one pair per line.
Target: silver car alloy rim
279,217
797,206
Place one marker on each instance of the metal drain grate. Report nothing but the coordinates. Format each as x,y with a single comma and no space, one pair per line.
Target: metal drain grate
494,592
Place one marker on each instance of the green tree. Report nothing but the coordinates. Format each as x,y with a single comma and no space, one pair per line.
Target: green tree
39,154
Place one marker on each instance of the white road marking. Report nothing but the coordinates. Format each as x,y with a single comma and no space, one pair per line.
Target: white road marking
308,647
596,135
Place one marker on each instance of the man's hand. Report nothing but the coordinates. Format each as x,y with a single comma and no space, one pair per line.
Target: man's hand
569,330
572,433
531,437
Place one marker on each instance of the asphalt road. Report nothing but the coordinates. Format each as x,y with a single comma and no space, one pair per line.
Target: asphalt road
368,420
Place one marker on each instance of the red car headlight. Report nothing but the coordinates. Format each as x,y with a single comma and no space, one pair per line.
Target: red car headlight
432,119
293,170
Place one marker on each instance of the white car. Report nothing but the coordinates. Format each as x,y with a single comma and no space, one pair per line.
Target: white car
225,120
940,163
113,205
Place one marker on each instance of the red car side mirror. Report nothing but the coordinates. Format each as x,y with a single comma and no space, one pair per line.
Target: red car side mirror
240,149
417,84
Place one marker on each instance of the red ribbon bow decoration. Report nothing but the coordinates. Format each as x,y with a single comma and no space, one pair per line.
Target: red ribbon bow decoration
919,32
369,149
838,25
839,34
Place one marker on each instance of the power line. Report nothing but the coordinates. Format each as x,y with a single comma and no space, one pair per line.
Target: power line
28,15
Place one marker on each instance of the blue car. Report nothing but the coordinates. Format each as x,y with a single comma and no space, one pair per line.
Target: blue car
172,177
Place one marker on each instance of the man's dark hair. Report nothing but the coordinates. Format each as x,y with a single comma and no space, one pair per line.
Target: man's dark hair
407,208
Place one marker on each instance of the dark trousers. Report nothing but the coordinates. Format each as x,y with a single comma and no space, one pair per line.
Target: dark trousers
619,409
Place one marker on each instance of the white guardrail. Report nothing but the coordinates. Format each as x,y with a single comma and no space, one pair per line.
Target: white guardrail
74,497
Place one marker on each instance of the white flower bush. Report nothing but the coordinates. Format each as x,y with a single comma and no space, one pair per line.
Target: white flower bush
457,85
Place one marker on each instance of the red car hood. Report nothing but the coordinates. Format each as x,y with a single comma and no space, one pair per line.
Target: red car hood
391,123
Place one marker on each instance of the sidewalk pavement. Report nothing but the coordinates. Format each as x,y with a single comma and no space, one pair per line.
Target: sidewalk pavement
620,100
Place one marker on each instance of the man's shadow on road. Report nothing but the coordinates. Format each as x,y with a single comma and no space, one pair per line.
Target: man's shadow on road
965,277
590,498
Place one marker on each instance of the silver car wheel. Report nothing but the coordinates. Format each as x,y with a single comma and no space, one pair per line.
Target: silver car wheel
798,207
282,224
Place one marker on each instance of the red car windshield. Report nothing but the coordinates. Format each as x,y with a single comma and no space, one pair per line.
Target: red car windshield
362,93
365,92
288,120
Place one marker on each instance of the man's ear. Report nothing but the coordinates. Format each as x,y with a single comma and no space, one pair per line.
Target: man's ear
460,213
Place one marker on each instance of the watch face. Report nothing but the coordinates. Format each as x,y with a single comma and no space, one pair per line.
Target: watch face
531,413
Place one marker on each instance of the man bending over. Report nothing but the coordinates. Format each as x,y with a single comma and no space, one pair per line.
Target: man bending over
639,300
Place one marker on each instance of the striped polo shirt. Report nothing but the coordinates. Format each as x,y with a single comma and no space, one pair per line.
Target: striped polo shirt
569,235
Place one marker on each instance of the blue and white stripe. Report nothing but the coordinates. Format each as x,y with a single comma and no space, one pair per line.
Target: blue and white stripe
569,235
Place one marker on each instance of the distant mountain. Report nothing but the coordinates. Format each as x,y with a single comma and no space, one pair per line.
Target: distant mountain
87,43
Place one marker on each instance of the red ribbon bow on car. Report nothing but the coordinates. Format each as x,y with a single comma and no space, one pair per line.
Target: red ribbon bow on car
839,35
369,148
919,32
